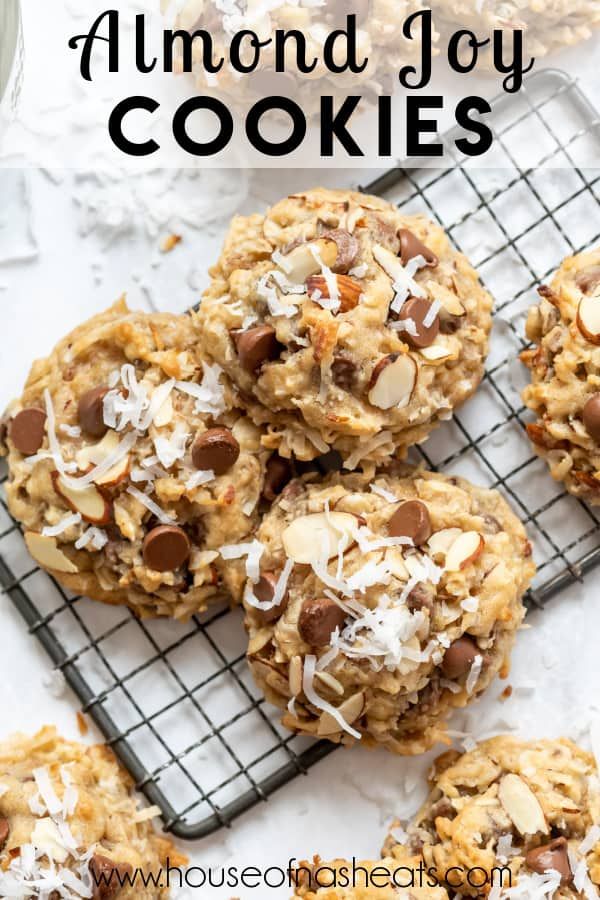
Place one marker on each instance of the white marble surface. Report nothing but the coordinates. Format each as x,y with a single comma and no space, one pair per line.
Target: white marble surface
342,806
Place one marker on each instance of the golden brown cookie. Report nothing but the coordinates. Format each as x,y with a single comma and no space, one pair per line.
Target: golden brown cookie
71,824
345,324
376,605
564,392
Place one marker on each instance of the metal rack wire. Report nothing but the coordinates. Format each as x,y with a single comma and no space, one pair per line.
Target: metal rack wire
176,701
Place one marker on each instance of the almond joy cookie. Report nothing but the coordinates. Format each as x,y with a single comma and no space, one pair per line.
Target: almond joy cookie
380,880
565,375
71,825
374,607
345,324
129,469
527,813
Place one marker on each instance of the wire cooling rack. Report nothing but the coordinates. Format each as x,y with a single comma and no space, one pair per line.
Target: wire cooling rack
176,701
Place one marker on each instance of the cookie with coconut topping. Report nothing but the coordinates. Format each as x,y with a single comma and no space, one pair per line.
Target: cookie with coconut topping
366,880
526,814
129,468
345,324
564,362
71,824
375,606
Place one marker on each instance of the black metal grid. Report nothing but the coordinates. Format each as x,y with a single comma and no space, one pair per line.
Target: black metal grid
175,701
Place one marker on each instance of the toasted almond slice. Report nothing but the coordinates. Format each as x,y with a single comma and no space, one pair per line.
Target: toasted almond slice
394,559
393,381
413,565
464,551
258,641
348,290
521,805
295,675
588,318
447,298
45,552
317,535
302,260
440,542
165,414
332,683
116,475
88,501
94,454
436,353
350,710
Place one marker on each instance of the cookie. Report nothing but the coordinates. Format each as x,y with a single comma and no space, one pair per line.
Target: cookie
564,392
71,824
365,880
129,468
345,324
524,813
376,606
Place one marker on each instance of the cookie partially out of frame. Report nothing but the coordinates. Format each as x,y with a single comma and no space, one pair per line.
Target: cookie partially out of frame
345,324
564,362
72,826
129,468
376,606
528,810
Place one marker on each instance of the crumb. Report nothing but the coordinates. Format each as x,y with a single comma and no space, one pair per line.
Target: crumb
82,724
507,692
169,242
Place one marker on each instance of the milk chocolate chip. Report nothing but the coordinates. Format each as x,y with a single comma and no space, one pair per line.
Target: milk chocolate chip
256,346
411,520
411,246
90,412
215,449
459,657
26,430
265,591
277,474
591,417
551,856
318,620
343,372
417,309
347,249
166,548
108,876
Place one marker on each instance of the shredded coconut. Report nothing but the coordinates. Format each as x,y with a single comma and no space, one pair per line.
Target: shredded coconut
311,695
154,508
169,450
94,536
382,492
210,395
73,431
198,478
268,293
432,312
47,792
252,551
278,594
473,676
63,525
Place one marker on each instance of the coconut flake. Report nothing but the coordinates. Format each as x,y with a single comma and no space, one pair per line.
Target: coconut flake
408,325
169,450
3,789
119,453
333,302
252,550
62,526
590,840
94,536
352,461
47,792
278,594
470,604
473,676
432,312
359,271
147,813
154,508
268,293
198,478
383,635
382,492
210,395
311,695
73,431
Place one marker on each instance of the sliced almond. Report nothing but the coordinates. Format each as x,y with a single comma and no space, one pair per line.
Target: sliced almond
436,353
303,261
588,318
440,542
317,535
350,710
393,381
389,262
332,683
348,290
165,414
45,552
521,805
258,641
88,501
116,475
394,559
94,454
48,840
447,298
414,566
295,675
464,551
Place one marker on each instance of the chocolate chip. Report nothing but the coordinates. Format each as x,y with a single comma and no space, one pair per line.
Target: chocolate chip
422,596
411,520
417,309
166,548
265,591
449,323
108,876
319,619
347,249
27,429
591,417
588,279
215,449
4,832
551,856
343,372
90,412
329,462
277,474
411,246
256,346
459,657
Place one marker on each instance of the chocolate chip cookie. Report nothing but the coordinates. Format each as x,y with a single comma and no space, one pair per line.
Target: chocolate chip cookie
71,825
524,812
366,880
375,605
345,324
129,468
564,392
